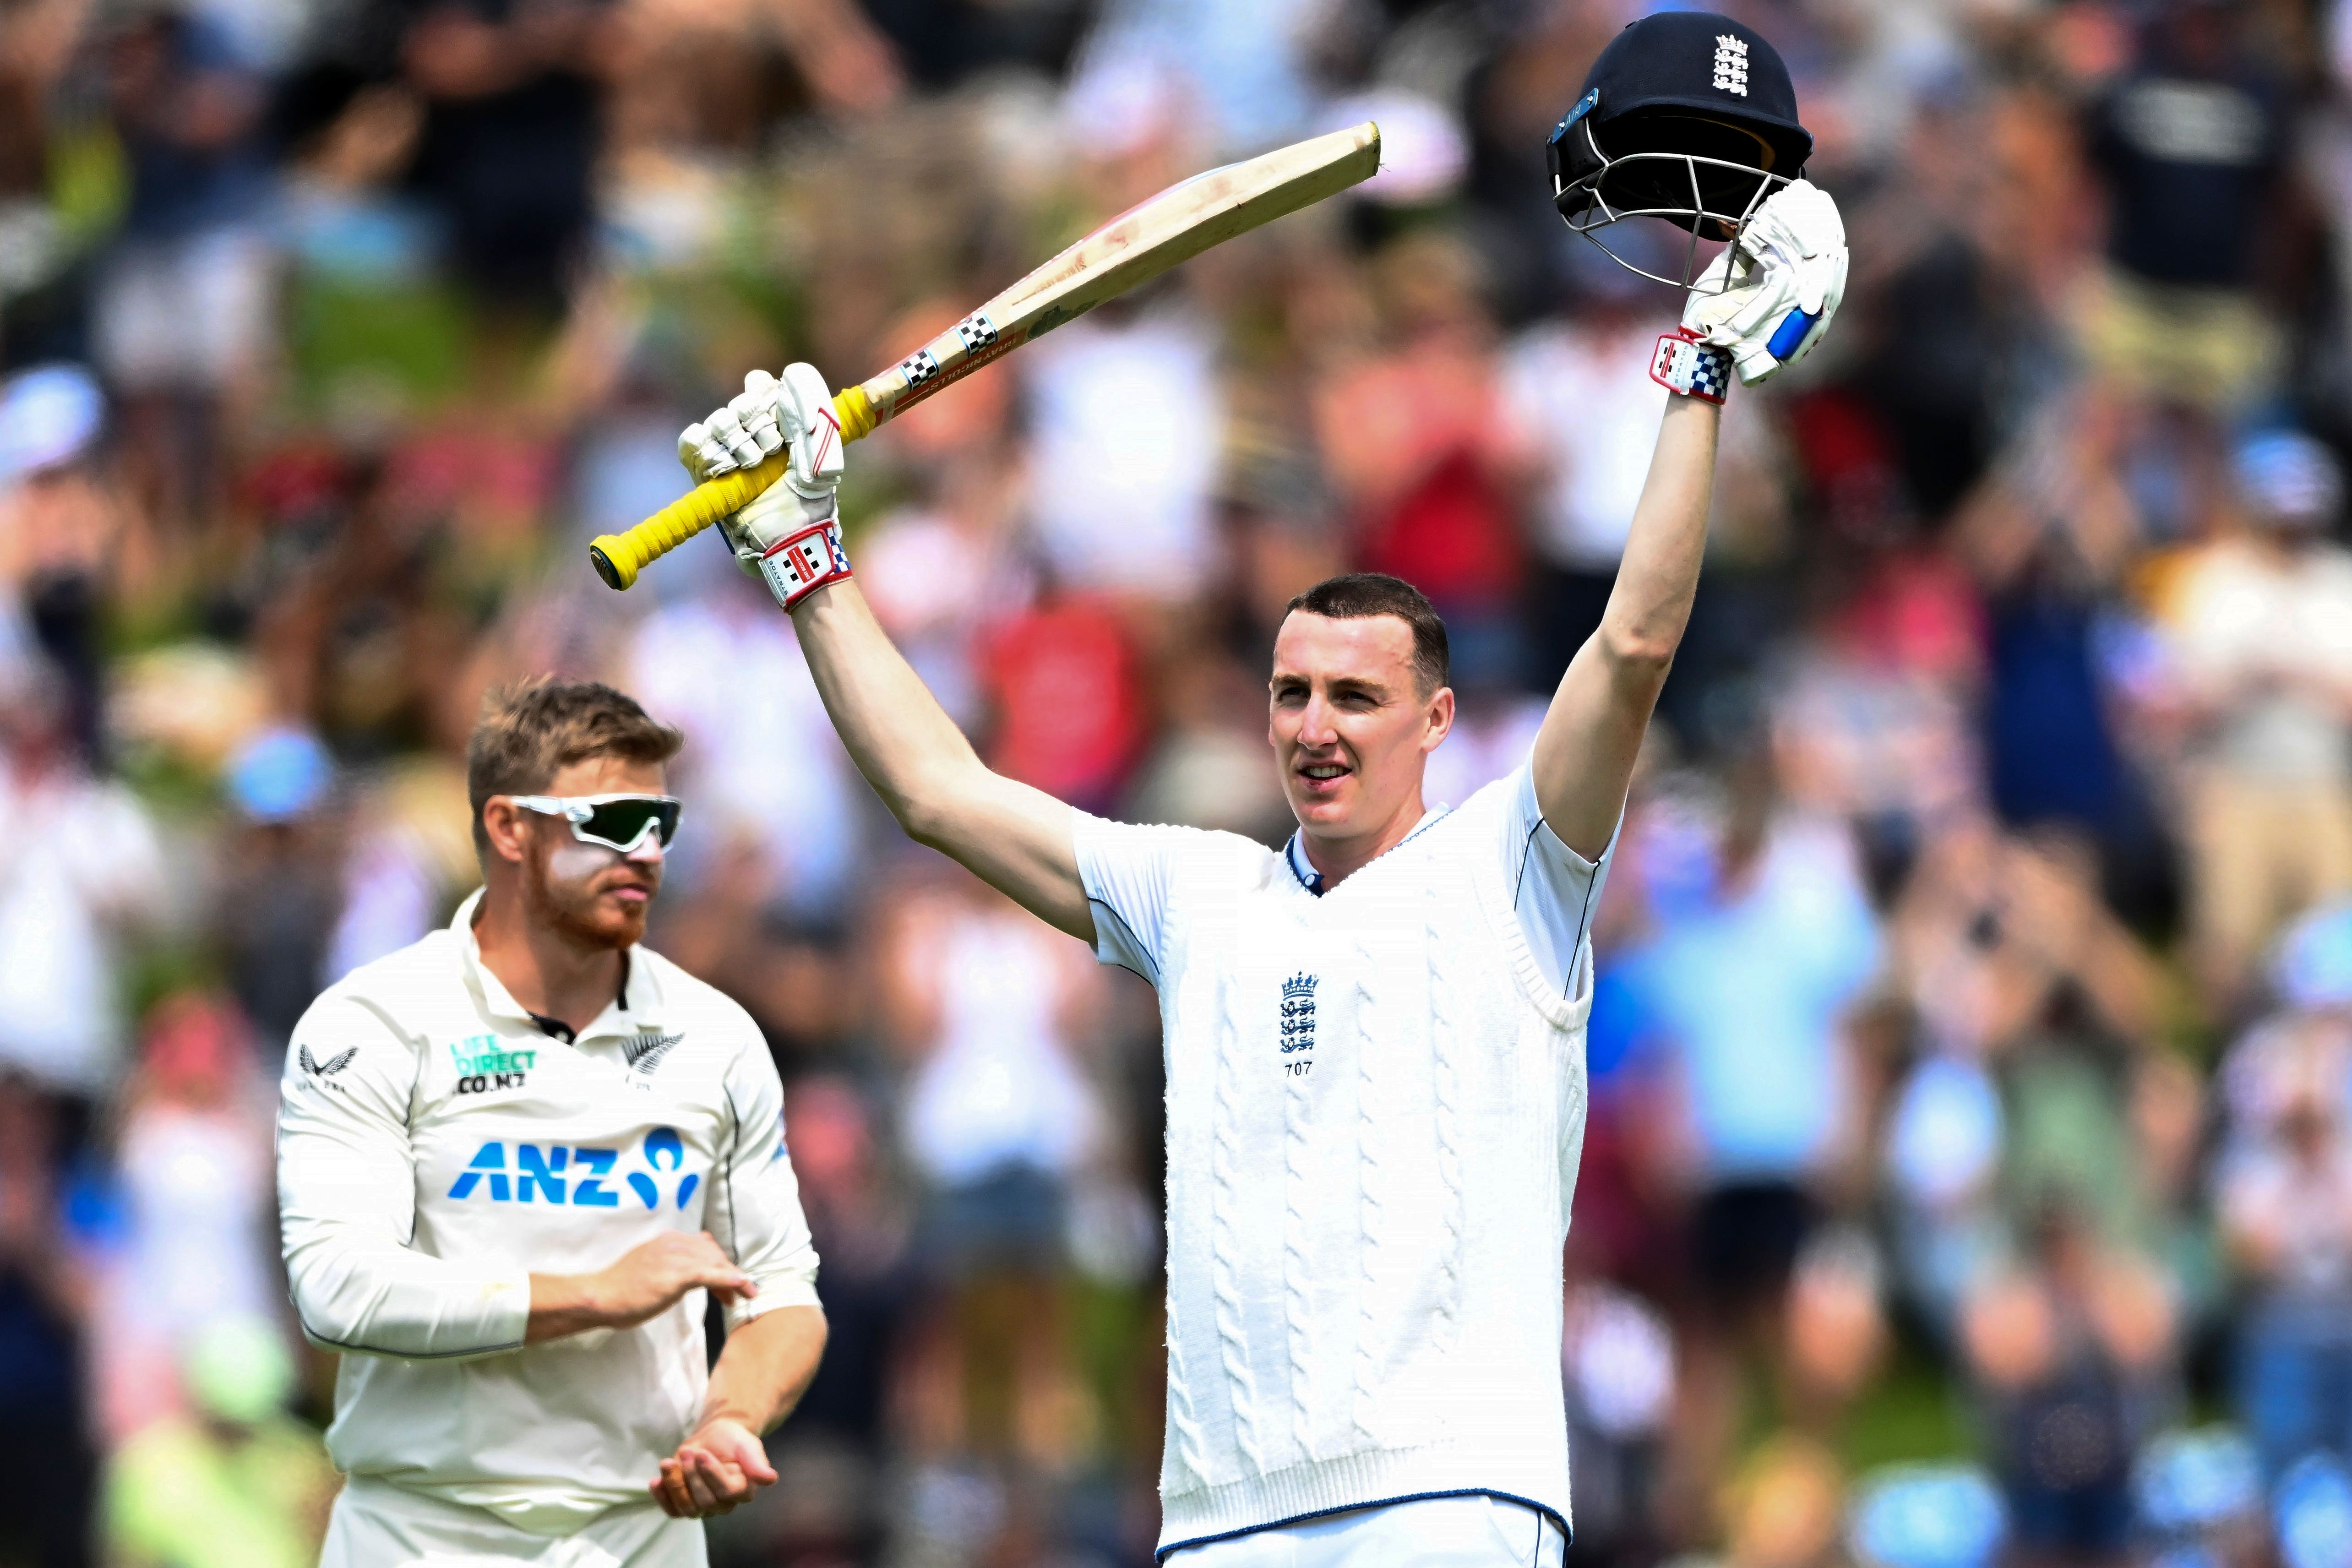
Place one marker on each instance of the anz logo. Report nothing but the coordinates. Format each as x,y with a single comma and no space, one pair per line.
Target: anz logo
558,1173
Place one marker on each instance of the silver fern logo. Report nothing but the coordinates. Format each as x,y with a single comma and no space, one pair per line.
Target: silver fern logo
646,1050
1298,1012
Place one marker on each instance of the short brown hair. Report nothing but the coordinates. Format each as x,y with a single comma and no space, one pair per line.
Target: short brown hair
1361,593
532,731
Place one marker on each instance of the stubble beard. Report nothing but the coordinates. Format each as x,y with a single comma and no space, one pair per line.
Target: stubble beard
571,910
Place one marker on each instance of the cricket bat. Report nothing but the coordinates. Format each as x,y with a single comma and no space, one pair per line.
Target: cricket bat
1139,243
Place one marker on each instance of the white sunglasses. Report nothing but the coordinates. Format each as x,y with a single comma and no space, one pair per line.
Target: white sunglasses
616,822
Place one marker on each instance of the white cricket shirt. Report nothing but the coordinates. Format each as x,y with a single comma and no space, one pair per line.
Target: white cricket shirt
435,1148
1375,1111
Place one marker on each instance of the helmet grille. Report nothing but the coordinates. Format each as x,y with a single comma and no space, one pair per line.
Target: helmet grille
1702,174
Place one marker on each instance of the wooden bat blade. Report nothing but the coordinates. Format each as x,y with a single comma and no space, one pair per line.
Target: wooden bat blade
1134,247
1186,220
1137,245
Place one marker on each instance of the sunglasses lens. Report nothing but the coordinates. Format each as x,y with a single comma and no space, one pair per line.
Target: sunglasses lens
622,822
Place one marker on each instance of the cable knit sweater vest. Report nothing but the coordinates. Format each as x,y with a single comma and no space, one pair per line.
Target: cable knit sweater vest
1375,1111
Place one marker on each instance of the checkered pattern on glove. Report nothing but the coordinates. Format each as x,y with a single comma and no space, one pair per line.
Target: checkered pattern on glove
1682,364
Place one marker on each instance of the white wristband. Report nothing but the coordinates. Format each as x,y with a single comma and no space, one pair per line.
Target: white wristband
1686,366
800,564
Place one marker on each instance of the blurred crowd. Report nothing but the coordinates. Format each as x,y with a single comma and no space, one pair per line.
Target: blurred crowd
1969,1170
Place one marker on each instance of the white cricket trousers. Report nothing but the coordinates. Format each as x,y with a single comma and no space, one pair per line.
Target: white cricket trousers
377,1525
1477,1531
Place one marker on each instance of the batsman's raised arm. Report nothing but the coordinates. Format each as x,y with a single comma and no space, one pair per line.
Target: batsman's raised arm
1762,304
1016,838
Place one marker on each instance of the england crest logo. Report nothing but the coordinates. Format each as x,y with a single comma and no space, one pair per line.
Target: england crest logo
1298,1012
1731,63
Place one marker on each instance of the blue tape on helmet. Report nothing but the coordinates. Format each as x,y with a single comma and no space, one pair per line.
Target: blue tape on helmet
1583,107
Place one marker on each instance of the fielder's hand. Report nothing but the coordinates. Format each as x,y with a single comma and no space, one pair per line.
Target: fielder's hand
801,510
652,1277
1771,295
713,1472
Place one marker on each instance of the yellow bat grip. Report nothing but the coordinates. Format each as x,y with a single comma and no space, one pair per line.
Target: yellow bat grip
619,557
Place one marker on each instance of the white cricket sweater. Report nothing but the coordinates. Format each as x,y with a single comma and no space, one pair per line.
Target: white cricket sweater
1376,1107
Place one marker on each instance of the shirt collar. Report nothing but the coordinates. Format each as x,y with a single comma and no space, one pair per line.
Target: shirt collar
1309,877
1295,852
638,1008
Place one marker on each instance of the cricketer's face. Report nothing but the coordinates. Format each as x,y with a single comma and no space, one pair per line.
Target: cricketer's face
594,896
1350,725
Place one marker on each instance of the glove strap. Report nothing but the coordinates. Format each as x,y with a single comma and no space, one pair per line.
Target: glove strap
801,563
1684,364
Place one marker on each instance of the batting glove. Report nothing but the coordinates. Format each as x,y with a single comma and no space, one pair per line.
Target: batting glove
790,533
1771,294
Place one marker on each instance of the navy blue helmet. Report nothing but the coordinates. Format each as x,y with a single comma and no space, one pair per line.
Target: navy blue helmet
1686,116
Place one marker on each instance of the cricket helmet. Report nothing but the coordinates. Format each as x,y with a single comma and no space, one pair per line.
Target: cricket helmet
1686,116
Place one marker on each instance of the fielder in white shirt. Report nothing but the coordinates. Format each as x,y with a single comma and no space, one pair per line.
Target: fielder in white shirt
1374,1037
512,1161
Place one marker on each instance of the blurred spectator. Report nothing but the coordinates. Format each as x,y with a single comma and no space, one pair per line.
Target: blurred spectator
1239,68
1885,745
196,1247
2029,995
1493,733
2262,626
281,895
236,1483
2284,1196
1065,686
1209,769
1406,422
45,1439
1578,392
832,1457
1765,941
2190,143
1788,1508
183,317
998,1120
2072,1348
410,858
761,759
86,870
61,535
1944,1139
1837,1331
2048,535
936,575
1619,1359
1126,418
509,137
2001,937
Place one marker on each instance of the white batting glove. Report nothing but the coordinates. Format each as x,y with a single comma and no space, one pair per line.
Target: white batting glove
1771,294
791,532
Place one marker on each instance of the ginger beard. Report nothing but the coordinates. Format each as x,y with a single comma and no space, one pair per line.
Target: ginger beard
593,896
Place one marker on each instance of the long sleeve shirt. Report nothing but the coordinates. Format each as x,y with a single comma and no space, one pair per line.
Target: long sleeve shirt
435,1147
